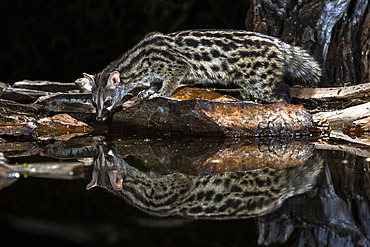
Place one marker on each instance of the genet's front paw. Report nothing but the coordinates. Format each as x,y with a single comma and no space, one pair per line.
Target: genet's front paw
145,93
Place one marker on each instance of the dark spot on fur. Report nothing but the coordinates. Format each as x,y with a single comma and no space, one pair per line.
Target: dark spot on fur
215,53
215,68
210,210
224,66
232,45
200,196
257,65
218,198
178,41
238,74
217,181
274,66
191,42
206,42
197,57
257,44
223,208
196,34
248,42
209,195
241,65
268,182
235,188
196,209
270,72
229,203
272,55
267,43
206,56
260,182
233,59
227,183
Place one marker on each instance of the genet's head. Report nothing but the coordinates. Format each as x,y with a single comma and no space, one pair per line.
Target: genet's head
107,93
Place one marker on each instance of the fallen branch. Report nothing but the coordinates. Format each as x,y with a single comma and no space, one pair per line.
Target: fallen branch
335,93
342,118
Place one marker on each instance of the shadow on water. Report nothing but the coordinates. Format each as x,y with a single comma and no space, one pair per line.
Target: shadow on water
183,192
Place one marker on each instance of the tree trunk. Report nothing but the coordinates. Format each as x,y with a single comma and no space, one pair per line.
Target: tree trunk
335,32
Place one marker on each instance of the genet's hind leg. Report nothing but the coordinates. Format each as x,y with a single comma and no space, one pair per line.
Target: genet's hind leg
267,90
281,92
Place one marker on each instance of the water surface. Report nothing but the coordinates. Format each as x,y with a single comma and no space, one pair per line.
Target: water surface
190,192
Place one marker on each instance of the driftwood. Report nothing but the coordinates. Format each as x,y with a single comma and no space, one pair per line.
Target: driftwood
328,94
191,111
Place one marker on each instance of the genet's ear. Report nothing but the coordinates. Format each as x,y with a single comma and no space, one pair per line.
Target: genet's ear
113,80
115,179
90,78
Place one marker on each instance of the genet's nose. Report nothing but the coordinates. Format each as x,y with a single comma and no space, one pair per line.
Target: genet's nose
99,119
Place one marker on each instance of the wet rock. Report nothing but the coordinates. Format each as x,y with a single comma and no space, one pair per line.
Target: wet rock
67,102
48,86
9,108
60,127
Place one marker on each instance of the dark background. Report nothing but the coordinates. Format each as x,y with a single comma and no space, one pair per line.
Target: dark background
59,40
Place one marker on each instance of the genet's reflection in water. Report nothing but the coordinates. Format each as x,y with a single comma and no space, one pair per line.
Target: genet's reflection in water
227,195
240,188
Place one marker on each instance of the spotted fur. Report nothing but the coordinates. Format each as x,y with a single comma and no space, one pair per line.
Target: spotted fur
257,63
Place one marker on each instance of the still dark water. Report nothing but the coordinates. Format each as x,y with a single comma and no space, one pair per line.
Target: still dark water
86,192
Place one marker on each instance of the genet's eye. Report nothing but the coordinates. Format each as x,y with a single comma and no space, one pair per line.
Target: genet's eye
109,158
93,103
107,103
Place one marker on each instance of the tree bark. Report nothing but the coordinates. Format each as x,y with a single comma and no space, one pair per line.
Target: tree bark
335,32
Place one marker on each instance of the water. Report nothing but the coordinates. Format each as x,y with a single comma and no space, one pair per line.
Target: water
190,192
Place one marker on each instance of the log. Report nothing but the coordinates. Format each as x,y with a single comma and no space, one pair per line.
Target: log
47,86
21,95
200,117
320,94
342,118
329,94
